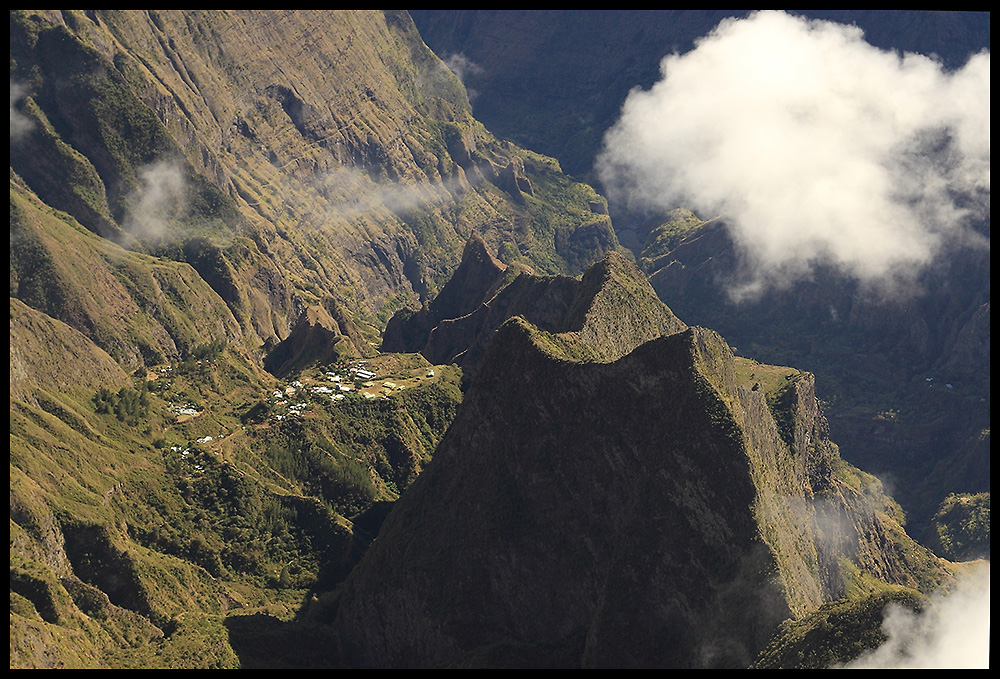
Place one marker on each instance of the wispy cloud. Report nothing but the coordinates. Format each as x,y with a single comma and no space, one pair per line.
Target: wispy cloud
465,69
160,199
351,193
462,66
815,146
20,124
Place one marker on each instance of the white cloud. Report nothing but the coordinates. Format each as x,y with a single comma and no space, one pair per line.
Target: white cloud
463,68
353,194
815,146
952,632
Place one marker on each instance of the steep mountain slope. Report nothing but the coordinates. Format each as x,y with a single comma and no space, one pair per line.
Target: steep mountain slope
45,352
139,309
287,156
579,492
323,335
907,380
807,643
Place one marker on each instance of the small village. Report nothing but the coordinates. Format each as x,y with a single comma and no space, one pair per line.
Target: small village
360,379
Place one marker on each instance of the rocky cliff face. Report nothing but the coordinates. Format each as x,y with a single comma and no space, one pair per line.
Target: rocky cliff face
476,280
323,335
637,506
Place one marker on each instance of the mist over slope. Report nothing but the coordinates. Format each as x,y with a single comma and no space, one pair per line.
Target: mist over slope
352,169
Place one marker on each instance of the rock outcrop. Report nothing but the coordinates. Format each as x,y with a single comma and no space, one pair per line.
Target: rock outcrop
322,335
611,309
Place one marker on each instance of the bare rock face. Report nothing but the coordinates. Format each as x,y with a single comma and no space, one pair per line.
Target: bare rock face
316,339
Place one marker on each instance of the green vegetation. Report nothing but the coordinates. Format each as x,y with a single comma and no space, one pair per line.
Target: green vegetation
679,225
115,140
184,489
137,308
960,529
561,346
836,633
569,215
129,405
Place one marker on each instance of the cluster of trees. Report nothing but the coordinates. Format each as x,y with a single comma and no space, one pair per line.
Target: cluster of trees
129,405
202,352
960,530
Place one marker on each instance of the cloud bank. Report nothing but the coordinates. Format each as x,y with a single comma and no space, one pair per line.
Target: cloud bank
953,632
816,147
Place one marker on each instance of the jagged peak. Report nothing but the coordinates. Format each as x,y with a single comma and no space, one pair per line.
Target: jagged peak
476,250
563,465
605,314
600,454
475,277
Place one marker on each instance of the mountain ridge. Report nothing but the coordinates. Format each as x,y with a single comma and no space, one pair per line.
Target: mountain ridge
540,474
611,308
